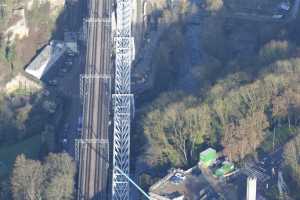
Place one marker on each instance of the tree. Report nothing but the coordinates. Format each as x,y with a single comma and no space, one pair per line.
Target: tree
245,136
5,192
59,171
186,6
52,180
280,109
213,5
27,178
179,129
275,50
291,161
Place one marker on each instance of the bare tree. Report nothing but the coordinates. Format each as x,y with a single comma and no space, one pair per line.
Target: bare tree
213,5
54,180
27,178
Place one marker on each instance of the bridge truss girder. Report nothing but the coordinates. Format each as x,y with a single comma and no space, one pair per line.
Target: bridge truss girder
122,100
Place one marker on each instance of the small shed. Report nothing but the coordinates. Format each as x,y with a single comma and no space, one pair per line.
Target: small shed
208,157
226,168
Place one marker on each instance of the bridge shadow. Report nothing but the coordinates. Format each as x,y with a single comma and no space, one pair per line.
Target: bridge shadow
70,19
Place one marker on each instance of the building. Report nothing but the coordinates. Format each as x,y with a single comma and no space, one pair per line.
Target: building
251,188
225,169
45,59
208,157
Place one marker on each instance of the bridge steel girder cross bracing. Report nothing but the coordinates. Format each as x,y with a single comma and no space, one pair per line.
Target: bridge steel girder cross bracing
122,100
121,143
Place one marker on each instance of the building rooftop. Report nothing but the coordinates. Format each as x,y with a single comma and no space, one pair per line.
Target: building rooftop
208,156
45,59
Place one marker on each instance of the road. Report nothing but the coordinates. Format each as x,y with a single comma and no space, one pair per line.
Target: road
293,13
295,9
68,84
93,163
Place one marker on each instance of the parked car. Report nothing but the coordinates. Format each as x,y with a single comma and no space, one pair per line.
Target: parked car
80,122
277,16
177,178
64,140
68,62
70,53
63,70
52,82
180,176
66,127
46,93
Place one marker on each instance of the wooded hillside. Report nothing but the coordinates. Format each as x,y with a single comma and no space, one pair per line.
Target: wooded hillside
248,89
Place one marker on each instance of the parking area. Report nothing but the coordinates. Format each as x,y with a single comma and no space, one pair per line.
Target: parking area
64,70
191,185
63,79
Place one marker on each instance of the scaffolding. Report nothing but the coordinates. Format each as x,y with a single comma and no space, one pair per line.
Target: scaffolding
122,101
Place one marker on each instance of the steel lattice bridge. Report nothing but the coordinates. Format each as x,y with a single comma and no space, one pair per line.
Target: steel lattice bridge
122,100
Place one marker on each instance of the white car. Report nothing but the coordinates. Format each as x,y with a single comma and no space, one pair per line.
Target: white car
80,122
278,16
64,70
180,176
52,82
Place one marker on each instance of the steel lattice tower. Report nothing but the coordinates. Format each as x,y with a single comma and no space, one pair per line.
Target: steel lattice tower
122,100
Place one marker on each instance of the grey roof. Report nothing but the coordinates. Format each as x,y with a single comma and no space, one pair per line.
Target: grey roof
46,54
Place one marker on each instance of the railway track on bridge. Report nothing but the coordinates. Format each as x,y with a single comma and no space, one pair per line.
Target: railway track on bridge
93,153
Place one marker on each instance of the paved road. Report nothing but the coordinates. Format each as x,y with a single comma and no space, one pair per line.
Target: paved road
192,55
269,18
295,9
68,83
93,165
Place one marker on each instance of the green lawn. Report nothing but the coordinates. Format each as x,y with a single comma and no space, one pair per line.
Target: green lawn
30,147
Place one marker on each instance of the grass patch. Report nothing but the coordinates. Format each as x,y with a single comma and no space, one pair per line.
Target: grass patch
22,92
31,147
